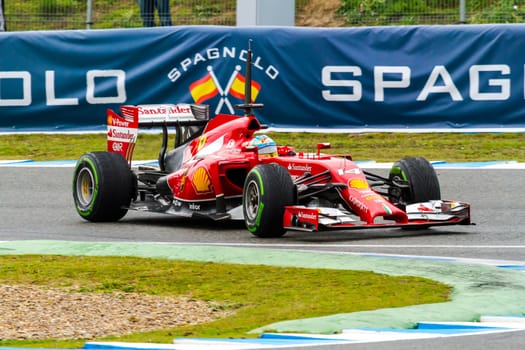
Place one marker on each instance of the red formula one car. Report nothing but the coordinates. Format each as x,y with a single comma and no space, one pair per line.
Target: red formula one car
223,168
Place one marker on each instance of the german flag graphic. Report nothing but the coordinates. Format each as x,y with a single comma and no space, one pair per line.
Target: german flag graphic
238,85
203,89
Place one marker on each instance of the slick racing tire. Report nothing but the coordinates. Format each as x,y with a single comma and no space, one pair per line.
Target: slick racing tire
102,186
421,180
267,190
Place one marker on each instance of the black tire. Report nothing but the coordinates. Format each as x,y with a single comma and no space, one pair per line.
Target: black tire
268,188
421,178
102,186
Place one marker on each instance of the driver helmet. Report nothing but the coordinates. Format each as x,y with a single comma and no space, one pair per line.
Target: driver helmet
265,145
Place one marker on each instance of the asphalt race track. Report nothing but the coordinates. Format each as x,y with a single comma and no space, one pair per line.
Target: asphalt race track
36,204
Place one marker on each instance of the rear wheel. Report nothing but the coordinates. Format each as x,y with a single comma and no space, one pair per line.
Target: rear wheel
418,181
102,186
268,188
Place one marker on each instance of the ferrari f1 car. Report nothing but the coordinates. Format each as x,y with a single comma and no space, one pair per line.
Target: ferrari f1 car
223,168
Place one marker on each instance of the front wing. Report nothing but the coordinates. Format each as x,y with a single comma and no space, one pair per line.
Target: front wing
419,215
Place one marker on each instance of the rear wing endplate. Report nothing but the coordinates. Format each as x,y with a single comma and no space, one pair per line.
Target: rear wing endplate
123,128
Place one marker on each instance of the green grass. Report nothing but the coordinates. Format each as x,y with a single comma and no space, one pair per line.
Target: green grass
382,147
258,295
451,147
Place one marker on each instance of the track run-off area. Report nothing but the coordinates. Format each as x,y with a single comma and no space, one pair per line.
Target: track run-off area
484,262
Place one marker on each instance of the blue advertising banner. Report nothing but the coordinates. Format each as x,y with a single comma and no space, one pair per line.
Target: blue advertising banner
371,78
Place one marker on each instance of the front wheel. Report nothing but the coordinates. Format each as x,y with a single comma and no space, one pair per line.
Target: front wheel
267,190
418,181
102,186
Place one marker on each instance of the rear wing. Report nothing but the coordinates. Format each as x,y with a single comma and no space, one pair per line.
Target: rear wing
123,128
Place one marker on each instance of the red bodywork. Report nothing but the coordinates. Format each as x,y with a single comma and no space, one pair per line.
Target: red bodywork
216,162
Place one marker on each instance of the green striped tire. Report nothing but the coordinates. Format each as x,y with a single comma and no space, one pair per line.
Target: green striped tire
268,188
102,186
